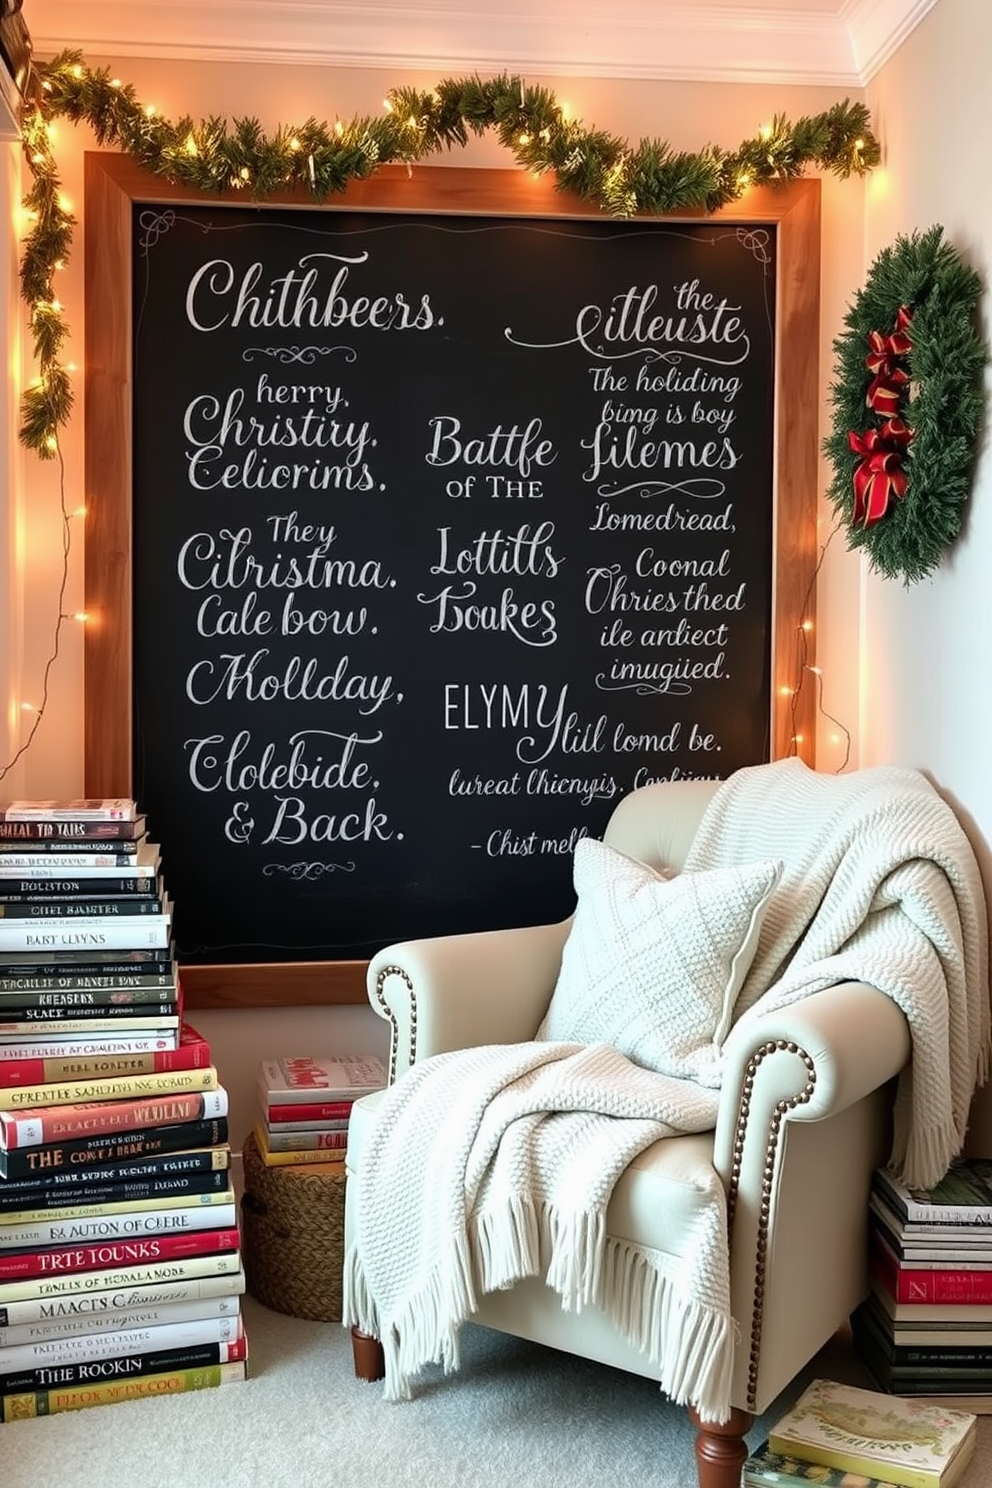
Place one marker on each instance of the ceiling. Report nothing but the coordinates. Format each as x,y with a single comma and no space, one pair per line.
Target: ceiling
837,43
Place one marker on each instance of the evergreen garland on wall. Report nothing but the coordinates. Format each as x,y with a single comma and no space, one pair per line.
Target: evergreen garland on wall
619,178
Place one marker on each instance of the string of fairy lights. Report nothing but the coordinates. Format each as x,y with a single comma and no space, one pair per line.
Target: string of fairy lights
320,160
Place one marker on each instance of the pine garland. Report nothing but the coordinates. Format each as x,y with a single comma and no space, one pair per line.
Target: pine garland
938,404
213,157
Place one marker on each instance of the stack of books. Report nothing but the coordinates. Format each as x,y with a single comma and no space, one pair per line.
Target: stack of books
840,1436
926,1326
305,1104
85,928
120,1252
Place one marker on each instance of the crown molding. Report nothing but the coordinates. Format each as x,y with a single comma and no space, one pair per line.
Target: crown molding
835,43
879,27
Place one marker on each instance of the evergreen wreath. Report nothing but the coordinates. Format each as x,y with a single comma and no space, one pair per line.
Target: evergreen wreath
907,405
620,178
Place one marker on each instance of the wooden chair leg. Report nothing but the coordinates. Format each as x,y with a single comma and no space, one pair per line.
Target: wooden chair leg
721,1449
366,1351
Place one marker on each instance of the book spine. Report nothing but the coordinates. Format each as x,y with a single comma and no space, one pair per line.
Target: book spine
123,1341
98,1324
112,1147
46,1043
137,1170
103,985
59,1260
50,1402
42,855
930,1286
50,1003
69,831
128,1366
88,959
35,1203
112,1219
332,1111
104,1088
327,1163
78,1283
161,1009
76,808
43,1124
48,908
49,1069
115,1301
93,933
37,891
289,1140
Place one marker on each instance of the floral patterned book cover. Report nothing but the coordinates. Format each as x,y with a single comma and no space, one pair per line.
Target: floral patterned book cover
912,1443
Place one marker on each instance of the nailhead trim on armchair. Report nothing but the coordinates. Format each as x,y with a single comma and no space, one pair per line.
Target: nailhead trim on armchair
782,1107
388,1014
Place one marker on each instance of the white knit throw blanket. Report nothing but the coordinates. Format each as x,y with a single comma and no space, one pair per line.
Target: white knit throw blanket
880,885
491,1164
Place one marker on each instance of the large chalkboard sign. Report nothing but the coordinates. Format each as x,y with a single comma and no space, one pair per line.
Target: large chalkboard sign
447,530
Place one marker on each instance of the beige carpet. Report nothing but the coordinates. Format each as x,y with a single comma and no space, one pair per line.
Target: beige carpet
515,1416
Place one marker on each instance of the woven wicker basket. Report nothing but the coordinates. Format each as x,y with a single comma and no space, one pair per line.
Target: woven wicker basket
292,1237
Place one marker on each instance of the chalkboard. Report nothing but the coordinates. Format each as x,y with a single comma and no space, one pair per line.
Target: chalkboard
447,530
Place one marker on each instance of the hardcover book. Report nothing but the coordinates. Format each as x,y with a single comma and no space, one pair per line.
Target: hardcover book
963,1195
916,1281
41,1125
76,808
108,1147
310,1078
183,1269
768,1469
60,1377
111,1392
61,1261
907,1442
106,1088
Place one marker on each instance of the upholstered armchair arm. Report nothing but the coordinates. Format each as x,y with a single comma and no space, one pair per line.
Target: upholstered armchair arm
804,1119
460,991
849,1039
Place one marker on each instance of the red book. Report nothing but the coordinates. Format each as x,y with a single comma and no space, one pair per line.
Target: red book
309,1111
928,1284
193,1053
40,1125
19,1265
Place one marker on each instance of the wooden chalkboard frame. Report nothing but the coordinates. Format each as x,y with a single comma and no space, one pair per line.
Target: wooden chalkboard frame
113,184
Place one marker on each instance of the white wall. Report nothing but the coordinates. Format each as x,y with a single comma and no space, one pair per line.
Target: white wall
926,664
688,116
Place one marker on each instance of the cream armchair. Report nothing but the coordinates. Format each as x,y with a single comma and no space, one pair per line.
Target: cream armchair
804,1117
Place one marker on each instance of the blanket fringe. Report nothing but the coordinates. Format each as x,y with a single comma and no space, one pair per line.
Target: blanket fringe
690,1344
506,1243
576,1254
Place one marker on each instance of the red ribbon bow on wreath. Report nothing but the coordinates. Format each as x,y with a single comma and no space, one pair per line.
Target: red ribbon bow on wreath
889,380
879,475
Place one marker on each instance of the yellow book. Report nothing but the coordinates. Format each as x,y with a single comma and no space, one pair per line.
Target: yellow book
908,1442
111,1392
323,1160
107,1087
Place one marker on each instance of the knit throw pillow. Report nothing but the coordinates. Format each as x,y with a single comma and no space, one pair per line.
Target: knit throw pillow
654,965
